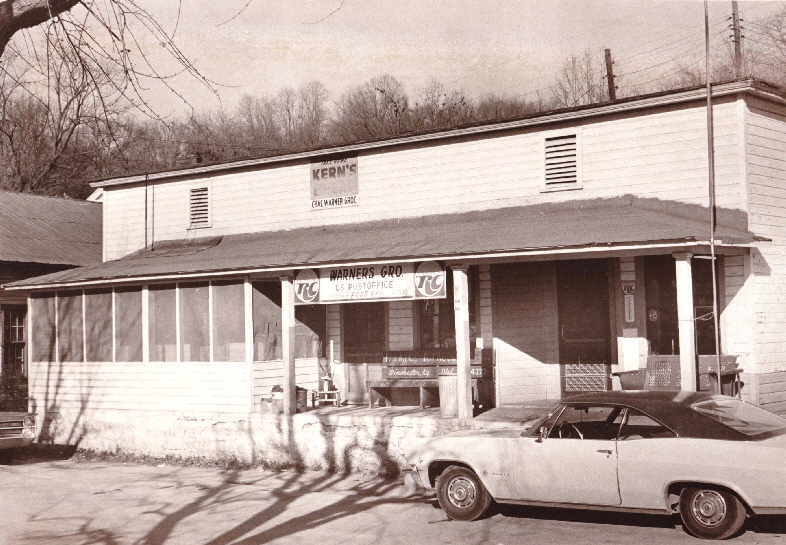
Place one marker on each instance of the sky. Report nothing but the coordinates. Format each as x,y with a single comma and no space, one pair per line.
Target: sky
511,47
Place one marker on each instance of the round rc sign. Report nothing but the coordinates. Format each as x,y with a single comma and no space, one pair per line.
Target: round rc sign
430,280
307,286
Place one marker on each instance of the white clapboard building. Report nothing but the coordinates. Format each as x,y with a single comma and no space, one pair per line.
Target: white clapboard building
523,260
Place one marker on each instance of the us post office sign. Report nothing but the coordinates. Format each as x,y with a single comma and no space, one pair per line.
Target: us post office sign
374,282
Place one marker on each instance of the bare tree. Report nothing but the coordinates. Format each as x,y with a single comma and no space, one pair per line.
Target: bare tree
495,107
581,81
437,107
376,109
45,141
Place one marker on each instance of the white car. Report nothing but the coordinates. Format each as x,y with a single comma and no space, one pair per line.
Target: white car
712,458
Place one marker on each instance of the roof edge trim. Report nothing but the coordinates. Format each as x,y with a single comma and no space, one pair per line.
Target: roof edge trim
677,245
632,104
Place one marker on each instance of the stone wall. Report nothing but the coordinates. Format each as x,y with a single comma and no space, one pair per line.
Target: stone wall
343,440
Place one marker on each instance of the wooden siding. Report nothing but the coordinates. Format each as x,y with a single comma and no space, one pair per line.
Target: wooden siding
525,331
661,153
183,388
267,374
766,153
401,325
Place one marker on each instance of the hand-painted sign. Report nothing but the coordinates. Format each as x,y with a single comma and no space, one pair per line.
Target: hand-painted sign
376,282
334,183
432,371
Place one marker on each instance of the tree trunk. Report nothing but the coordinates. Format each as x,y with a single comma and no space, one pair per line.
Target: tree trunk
16,15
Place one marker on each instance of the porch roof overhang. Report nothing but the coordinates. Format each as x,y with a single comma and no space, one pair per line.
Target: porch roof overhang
546,228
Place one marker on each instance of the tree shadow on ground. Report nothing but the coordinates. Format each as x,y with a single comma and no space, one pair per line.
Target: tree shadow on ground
239,491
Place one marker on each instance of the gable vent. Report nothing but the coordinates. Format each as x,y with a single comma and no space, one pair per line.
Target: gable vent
561,166
199,204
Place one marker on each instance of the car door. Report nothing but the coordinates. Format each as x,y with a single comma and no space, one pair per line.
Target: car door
650,455
576,462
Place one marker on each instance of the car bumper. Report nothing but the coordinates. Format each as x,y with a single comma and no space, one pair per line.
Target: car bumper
14,442
413,476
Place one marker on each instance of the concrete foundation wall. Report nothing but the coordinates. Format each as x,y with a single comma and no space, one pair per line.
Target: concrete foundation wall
343,441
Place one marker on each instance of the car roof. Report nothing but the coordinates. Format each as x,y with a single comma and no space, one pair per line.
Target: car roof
671,408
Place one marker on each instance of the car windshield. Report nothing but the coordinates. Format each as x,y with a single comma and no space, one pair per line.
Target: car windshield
741,416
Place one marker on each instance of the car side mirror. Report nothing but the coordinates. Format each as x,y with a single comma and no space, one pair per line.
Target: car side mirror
543,432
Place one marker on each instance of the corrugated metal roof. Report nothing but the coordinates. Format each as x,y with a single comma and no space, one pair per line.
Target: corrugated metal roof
574,224
38,229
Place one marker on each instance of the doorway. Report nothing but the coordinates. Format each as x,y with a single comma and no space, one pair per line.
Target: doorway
584,324
364,332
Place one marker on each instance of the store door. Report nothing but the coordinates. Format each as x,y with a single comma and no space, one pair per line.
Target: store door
584,324
364,332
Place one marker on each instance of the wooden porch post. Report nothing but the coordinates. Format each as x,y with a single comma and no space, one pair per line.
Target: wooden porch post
685,316
461,309
288,343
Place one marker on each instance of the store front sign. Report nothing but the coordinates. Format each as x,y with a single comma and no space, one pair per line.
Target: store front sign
432,371
334,183
376,282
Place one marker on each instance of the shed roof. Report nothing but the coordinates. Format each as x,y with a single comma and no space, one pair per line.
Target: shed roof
52,230
578,224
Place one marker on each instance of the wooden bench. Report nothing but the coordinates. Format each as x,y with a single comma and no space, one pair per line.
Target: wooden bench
382,390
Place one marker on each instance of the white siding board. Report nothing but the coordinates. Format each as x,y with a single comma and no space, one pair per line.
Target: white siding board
656,154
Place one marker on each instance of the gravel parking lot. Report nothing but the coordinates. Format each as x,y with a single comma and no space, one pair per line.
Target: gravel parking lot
68,502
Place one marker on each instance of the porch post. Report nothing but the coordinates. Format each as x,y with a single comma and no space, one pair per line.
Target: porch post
685,315
461,309
288,342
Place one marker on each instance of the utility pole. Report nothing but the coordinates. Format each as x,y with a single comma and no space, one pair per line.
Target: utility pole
735,22
610,76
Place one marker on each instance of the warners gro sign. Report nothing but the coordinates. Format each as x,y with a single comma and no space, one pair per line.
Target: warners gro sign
377,282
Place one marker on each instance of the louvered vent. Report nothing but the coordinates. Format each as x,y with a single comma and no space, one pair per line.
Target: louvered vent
561,166
200,207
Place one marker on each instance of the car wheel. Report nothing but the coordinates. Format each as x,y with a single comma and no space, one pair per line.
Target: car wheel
461,494
7,456
711,513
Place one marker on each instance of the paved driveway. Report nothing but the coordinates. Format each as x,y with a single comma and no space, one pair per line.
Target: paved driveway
73,502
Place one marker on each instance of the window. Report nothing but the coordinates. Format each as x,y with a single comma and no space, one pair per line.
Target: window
199,207
69,325
436,318
640,426
194,327
98,325
13,341
128,327
586,422
163,334
229,330
562,168
44,340
310,325
741,416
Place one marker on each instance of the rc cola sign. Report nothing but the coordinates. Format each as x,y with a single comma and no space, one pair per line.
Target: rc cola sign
374,282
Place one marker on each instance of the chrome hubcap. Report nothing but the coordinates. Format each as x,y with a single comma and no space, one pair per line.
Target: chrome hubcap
461,492
709,507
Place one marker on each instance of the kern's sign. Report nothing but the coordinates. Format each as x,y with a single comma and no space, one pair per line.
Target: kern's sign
334,183
376,282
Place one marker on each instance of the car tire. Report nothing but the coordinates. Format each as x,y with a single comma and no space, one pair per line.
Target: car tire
461,494
711,513
7,456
